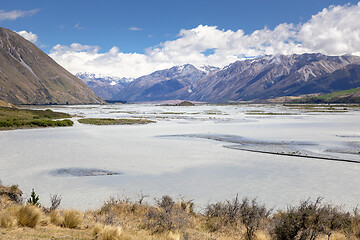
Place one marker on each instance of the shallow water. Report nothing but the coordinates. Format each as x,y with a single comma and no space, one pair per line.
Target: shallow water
161,158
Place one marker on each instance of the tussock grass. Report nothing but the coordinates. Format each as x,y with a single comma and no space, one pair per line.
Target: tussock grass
55,218
7,219
29,216
168,219
107,232
72,218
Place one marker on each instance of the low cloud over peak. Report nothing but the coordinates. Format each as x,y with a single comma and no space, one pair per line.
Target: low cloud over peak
28,36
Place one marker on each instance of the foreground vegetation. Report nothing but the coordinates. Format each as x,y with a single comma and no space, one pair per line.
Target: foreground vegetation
111,121
14,118
168,219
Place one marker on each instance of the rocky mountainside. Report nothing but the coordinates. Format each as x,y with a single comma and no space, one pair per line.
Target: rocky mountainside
345,79
104,87
30,76
266,77
164,84
270,77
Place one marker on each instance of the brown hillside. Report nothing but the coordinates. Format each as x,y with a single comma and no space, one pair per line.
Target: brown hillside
30,76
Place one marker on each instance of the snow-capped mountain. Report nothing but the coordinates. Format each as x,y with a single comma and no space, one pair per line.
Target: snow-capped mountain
275,76
104,86
163,84
256,79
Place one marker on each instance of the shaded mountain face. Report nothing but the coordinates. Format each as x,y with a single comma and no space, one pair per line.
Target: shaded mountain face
276,76
163,85
30,76
104,87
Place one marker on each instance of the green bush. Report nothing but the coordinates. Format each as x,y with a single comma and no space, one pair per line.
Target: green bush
34,199
6,124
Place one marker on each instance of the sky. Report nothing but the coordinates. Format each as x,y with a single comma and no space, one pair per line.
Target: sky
131,38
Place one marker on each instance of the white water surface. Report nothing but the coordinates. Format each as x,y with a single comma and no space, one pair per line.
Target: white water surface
159,158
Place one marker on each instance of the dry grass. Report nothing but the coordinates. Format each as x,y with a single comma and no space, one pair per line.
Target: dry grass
7,219
335,236
72,218
55,218
121,219
102,232
45,233
29,216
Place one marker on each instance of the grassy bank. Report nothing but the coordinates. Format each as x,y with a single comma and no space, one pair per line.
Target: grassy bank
15,118
173,219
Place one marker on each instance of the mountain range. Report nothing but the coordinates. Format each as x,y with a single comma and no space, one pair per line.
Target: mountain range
259,79
30,76
161,85
104,86
271,77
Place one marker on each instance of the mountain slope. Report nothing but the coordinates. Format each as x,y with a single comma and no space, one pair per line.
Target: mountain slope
274,76
345,79
162,85
29,76
104,87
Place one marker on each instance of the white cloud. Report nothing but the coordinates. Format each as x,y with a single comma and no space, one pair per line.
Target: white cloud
28,36
15,14
334,31
135,29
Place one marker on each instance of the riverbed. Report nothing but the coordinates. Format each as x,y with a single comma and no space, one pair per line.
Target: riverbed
279,154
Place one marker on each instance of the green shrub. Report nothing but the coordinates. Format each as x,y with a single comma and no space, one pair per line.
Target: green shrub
6,124
34,199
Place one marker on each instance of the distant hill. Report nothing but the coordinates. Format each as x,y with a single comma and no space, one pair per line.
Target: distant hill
30,76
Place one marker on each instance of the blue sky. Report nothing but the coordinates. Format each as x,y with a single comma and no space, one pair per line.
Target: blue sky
143,30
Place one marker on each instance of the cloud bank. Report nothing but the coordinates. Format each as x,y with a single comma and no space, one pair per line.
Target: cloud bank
15,14
333,31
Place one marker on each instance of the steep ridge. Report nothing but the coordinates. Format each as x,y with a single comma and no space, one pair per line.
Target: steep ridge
274,76
30,76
